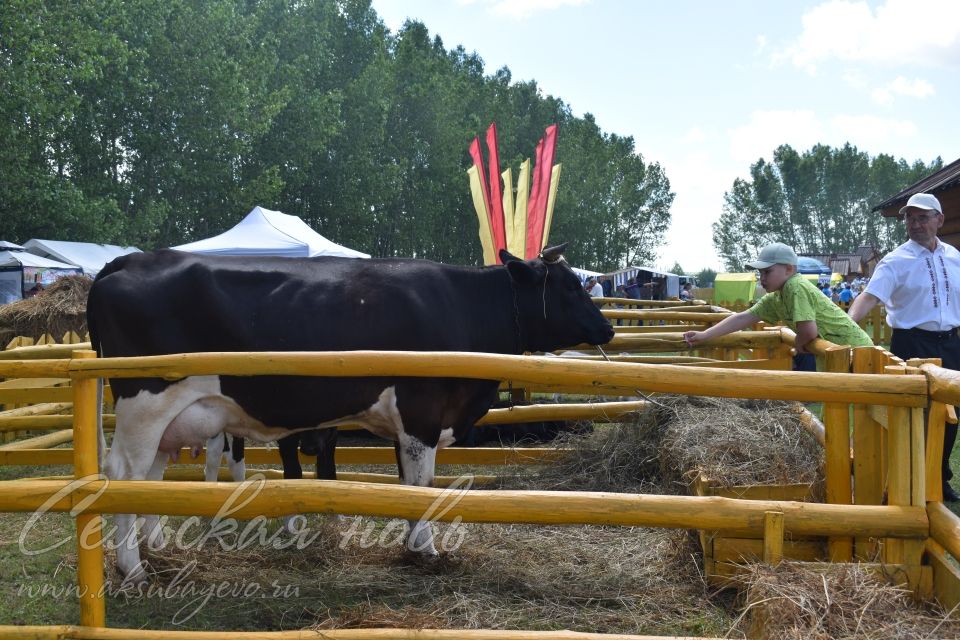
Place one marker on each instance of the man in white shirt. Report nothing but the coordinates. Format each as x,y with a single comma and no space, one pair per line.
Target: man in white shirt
919,283
594,288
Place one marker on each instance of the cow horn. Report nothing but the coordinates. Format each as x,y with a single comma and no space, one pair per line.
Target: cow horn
551,255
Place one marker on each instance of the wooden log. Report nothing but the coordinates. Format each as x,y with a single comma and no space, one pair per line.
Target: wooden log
836,421
898,466
42,352
640,359
344,455
867,458
946,575
687,316
40,442
811,423
673,341
944,383
608,378
944,527
180,473
43,423
610,411
772,537
272,498
47,408
659,328
90,581
936,419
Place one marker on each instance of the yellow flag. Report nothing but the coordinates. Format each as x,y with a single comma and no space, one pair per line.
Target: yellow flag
508,205
486,234
518,239
554,181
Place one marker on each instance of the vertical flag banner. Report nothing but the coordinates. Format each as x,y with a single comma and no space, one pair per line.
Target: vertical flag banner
539,192
520,224
496,197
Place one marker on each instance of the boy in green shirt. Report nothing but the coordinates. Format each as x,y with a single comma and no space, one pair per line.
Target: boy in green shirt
791,299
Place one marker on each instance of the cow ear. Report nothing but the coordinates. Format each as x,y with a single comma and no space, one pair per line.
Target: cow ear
506,256
524,273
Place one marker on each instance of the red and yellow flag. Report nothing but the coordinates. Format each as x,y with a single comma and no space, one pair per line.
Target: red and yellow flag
519,224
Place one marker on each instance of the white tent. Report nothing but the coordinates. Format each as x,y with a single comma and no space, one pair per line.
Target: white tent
583,274
20,271
89,256
270,233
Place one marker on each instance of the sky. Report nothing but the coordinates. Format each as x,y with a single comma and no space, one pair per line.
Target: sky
708,87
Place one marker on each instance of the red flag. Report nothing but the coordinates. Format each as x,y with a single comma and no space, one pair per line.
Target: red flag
495,201
477,156
540,191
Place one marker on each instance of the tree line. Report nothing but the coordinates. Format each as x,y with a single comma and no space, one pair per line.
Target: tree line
158,122
818,201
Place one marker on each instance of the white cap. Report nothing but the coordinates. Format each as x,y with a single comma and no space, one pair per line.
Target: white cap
922,201
775,253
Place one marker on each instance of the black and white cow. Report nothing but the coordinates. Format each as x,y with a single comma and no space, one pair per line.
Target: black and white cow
172,302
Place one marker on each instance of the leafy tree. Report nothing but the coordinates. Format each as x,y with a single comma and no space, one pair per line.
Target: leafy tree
818,202
677,269
706,277
162,121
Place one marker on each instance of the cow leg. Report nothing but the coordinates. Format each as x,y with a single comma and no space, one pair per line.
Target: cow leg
215,447
236,462
131,457
291,471
326,454
151,522
416,461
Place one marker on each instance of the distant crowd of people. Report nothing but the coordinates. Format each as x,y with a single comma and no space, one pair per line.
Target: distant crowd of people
632,289
844,292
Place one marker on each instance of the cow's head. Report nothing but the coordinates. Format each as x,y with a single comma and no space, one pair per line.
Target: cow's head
553,310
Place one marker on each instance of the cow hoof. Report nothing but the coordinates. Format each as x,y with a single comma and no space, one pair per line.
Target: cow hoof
157,539
135,577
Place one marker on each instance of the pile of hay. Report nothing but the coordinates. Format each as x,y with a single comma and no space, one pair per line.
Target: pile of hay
846,601
678,438
59,308
736,442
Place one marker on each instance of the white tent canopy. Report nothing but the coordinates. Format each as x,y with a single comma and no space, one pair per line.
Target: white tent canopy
20,270
89,256
270,233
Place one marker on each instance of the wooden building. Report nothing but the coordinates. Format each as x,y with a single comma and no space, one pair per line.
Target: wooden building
860,263
945,184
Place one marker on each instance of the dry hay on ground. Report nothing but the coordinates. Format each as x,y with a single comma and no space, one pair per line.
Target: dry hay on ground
678,438
736,442
795,602
59,308
582,578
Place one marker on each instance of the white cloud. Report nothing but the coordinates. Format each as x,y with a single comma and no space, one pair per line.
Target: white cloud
693,135
869,133
923,32
520,9
761,44
767,130
916,88
699,182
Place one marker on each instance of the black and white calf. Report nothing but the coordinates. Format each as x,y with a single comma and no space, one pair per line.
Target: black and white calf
172,302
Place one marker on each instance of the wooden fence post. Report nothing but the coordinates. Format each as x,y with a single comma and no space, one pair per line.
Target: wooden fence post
867,456
773,537
89,525
898,466
836,420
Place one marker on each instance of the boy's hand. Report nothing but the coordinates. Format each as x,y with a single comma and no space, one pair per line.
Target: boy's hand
693,337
